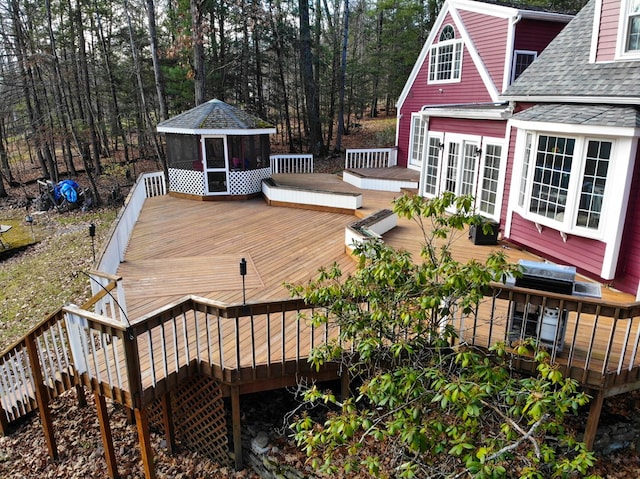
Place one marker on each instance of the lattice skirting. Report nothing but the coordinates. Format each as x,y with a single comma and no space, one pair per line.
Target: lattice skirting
198,418
186,181
247,182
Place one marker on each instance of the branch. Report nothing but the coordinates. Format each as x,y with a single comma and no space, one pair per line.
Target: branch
525,434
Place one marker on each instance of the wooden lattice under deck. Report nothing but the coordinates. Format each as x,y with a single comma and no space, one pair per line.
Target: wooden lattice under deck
199,418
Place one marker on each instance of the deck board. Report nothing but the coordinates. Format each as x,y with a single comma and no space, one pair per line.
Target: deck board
181,247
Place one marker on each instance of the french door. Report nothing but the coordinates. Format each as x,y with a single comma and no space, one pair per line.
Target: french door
465,165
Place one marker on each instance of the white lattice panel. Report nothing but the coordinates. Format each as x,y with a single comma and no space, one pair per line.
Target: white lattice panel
186,181
247,182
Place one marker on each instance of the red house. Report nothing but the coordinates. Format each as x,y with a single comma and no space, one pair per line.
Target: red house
452,123
549,152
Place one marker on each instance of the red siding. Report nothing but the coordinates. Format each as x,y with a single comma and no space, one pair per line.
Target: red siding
607,34
492,128
471,89
585,254
628,272
535,35
489,36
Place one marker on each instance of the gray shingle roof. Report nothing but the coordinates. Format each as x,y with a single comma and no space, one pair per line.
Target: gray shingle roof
590,115
214,115
563,69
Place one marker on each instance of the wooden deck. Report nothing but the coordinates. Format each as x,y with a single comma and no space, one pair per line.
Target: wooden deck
186,316
182,247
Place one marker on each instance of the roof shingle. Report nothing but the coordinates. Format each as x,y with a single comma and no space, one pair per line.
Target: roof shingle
563,69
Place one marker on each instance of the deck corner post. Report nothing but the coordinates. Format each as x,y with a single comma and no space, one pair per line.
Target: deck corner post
167,422
41,396
237,427
593,419
107,438
144,437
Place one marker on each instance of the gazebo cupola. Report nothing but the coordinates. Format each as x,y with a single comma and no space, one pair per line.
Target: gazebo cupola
217,151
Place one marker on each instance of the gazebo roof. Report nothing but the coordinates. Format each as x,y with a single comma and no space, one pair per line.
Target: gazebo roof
216,117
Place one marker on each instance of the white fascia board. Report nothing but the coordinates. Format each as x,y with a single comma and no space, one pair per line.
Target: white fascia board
575,129
471,113
508,12
618,204
595,30
492,10
216,132
422,57
605,100
477,61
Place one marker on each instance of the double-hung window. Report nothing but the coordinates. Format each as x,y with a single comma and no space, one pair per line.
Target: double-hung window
563,181
629,33
521,60
445,62
633,26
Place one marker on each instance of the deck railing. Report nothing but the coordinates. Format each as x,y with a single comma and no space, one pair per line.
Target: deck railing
137,363
590,340
371,158
146,186
291,163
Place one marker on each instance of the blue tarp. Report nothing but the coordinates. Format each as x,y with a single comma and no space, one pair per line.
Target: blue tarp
67,189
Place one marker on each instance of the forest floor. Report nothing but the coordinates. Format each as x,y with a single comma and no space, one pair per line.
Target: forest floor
37,281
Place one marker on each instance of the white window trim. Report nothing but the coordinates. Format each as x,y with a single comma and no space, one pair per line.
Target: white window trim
481,143
436,46
623,32
423,134
486,141
615,195
423,167
515,56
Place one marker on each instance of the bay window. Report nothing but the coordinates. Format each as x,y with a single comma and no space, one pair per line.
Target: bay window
563,180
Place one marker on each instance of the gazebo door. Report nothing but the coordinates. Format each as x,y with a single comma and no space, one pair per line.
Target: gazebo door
216,165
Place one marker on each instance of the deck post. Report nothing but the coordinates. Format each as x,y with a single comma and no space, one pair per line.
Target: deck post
82,399
237,428
41,396
167,422
593,419
4,424
144,437
105,432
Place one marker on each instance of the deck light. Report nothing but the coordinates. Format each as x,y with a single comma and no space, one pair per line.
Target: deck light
29,220
243,273
92,234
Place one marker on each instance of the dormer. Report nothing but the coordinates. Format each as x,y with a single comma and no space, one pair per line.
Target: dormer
616,31
628,44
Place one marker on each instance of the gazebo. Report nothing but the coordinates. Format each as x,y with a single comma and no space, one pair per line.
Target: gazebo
217,151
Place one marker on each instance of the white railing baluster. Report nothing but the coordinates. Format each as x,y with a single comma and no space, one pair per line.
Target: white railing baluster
370,158
293,163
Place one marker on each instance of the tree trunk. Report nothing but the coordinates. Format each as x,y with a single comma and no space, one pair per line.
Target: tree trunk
157,72
116,122
310,86
86,92
343,76
198,51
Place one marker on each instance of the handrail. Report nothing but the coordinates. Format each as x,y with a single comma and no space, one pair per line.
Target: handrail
236,343
146,186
